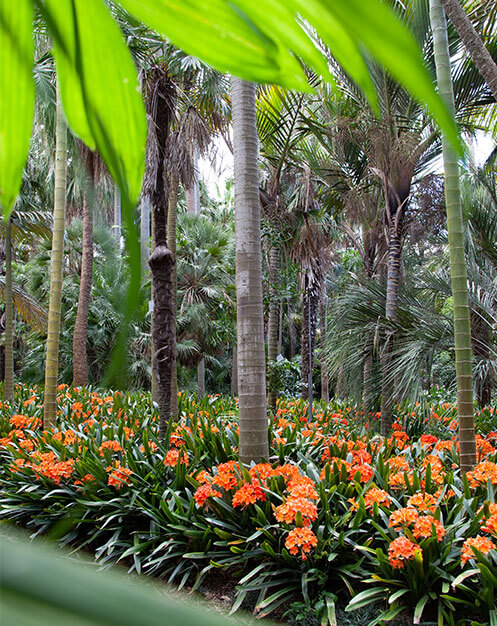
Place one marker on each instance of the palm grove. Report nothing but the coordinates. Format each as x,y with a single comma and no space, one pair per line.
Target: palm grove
349,279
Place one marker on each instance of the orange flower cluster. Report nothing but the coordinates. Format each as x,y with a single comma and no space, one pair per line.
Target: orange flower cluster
424,527
301,540
287,512
483,472
46,464
249,493
112,446
22,421
118,476
172,457
379,496
403,517
204,492
401,550
423,502
482,544
87,478
490,525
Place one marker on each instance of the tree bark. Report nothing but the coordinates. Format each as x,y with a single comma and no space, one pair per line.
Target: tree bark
201,377
79,358
272,333
8,393
308,339
462,329
57,257
171,244
325,382
254,444
393,273
480,56
234,372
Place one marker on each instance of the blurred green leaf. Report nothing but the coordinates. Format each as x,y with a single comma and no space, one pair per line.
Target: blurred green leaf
18,93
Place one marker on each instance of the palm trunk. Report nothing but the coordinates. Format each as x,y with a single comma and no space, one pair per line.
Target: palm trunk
145,232
458,273
80,361
393,273
325,383
117,215
254,444
171,243
234,372
57,257
9,317
272,333
201,377
480,56
308,340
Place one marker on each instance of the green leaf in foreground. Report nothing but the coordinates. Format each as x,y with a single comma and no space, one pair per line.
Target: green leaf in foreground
17,96
39,587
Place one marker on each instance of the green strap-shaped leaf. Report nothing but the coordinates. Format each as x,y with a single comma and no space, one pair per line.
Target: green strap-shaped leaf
99,87
17,96
374,24
223,35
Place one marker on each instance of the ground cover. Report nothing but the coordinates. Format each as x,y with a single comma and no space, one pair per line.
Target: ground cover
338,516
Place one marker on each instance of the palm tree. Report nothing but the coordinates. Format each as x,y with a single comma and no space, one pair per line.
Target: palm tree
250,316
479,54
462,325
52,354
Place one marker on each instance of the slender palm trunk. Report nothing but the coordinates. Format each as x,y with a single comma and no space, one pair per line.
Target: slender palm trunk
480,56
145,232
201,377
80,361
9,317
234,372
57,256
462,329
171,244
193,193
272,333
117,215
253,429
308,340
325,383
393,273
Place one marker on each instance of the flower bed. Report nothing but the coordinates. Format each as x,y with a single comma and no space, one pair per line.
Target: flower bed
337,514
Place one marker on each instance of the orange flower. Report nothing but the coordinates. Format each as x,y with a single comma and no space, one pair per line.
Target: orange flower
482,544
491,525
400,550
376,495
172,457
302,487
261,470
424,526
483,472
287,511
87,478
118,476
226,476
204,492
423,502
112,446
403,517
303,539
248,493
398,464
365,472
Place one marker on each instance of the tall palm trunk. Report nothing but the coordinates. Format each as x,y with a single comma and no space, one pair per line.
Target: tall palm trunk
9,317
310,303
193,193
393,273
462,329
272,333
480,56
325,383
80,361
171,244
57,256
253,429
201,377
117,215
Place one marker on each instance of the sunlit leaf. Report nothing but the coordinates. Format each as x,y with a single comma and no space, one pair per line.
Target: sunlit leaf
17,96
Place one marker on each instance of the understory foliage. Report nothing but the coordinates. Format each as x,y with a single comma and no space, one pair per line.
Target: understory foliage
338,515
